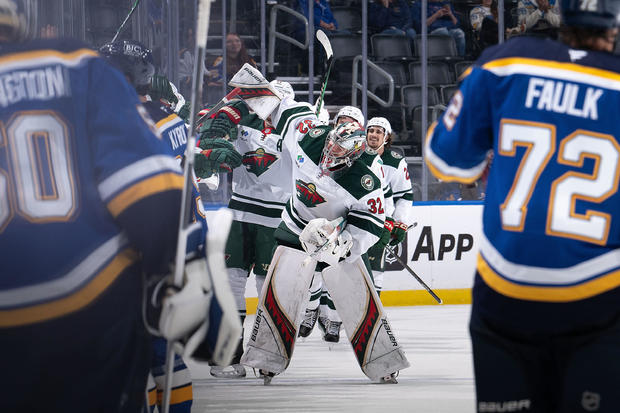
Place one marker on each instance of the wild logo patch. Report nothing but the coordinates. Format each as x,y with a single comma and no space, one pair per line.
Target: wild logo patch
307,194
315,132
367,182
258,161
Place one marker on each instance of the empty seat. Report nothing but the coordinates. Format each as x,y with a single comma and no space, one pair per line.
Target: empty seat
391,47
446,92
378,83
433,113
462,66
438,73
348,18
411,97
439,47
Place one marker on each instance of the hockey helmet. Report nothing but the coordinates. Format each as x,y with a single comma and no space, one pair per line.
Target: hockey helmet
283,88
351,112
133,59
603,14
13,22
343,145
387,130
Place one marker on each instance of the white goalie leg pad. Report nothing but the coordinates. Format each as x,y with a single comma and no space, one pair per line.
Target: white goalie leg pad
279,312
364,319
221,328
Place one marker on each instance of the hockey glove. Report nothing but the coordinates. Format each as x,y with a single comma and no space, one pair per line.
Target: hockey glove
215,155
184,111
224,122
398,233
385,237
161,89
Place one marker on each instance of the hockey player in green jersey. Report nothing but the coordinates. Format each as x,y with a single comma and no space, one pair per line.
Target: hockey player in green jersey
396,177
260,190
330,188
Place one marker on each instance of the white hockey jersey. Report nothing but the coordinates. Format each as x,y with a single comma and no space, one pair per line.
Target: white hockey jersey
397,178
262,185
356,196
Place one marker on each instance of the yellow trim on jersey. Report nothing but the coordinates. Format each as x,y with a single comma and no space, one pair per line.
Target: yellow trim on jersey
436,172
152,397
562,294
158,183
179,395
509,61
166,120
38,54
74,302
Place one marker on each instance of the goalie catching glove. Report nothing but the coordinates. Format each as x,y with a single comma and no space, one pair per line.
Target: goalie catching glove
215,155
323,241
223,124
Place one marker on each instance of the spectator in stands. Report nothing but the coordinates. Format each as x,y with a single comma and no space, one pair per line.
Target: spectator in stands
391,17
441,19
236,56
539,16
483,18
323,17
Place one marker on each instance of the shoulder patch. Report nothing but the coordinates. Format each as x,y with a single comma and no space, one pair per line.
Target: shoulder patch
367,182
396,155
316,132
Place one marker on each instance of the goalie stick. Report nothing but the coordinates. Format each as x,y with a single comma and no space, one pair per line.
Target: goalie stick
125,21
329,53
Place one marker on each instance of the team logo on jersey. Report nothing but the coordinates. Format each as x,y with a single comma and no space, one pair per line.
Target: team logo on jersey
397,155
367,182
307,194
258,161
315,132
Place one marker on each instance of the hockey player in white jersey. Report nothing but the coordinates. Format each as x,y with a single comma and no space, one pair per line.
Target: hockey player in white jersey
330,188
398,212
261,187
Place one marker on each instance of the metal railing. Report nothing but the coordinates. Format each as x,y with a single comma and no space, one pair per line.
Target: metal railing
355,85
273,33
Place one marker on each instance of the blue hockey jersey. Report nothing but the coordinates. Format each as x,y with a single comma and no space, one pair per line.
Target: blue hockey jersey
174,132
79,168
545,117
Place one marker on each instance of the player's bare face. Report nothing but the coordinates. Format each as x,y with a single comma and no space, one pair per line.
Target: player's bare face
375,137
233,44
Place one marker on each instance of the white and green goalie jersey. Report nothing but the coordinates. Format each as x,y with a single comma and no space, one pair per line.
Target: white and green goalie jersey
262,184
356,195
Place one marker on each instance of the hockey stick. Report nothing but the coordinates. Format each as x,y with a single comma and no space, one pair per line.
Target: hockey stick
322,38
125,21
391,251
202,29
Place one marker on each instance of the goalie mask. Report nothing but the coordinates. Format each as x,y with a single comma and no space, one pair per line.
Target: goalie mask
343,146
378,131
134,60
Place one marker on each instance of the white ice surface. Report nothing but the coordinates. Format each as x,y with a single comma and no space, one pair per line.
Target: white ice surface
440,380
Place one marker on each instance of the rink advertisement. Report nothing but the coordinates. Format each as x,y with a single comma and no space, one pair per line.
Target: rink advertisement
441,247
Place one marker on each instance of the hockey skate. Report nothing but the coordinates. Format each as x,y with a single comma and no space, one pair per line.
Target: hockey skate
323,322
267,376
389,379
235,371
309,321
332,333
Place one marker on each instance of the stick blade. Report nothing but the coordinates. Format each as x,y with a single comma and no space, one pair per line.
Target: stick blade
322,38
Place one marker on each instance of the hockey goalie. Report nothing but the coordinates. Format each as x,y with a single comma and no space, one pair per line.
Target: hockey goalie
334,215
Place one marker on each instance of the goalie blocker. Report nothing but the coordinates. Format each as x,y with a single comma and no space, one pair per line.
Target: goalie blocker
280,312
